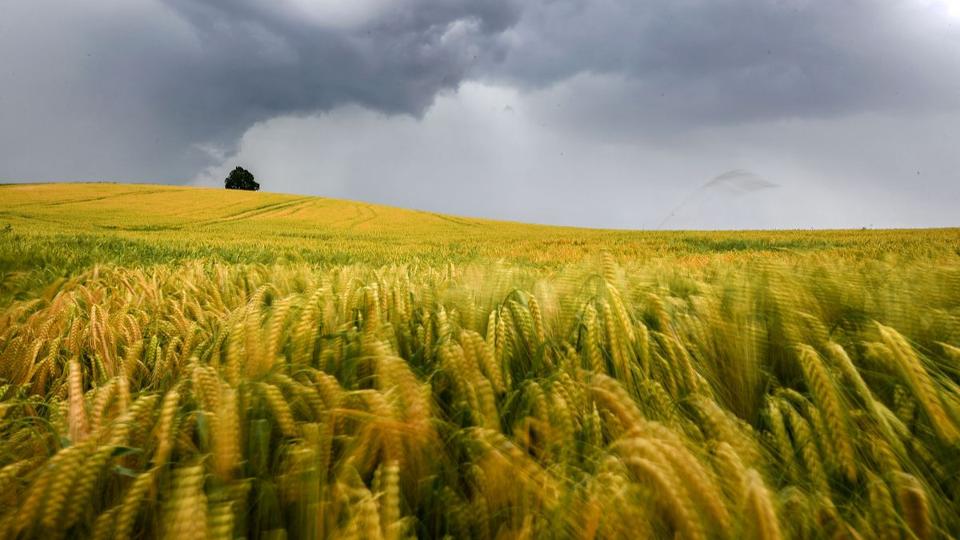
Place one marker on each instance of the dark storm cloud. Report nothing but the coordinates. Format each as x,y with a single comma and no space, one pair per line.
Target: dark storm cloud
259,59
128,90
672,65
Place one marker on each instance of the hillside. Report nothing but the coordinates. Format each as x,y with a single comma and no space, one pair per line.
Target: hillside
166,223
144,207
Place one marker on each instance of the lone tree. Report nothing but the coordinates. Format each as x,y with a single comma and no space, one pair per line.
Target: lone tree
241,178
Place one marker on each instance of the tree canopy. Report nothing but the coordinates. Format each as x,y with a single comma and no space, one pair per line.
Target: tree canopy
241,178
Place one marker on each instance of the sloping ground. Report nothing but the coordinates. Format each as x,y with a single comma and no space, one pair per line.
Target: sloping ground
149,207
107,222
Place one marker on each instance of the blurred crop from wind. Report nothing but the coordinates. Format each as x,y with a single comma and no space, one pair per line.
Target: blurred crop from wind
187,363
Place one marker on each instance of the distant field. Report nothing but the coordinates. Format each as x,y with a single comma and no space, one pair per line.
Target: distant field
145,224
196,363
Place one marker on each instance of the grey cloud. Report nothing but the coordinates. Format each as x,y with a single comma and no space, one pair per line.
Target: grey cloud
669,66
739,181
732,183
264,58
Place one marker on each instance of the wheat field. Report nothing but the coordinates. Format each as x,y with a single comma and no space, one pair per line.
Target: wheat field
188,363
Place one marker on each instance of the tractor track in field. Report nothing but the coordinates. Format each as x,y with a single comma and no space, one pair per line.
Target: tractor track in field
94,199
458,221
371,214
258,211
33,217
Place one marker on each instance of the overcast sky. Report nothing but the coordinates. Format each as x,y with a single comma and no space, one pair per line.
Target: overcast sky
612,113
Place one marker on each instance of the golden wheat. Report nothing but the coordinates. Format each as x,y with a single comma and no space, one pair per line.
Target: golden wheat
359,384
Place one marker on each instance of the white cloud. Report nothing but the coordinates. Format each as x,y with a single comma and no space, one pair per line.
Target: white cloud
949,7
